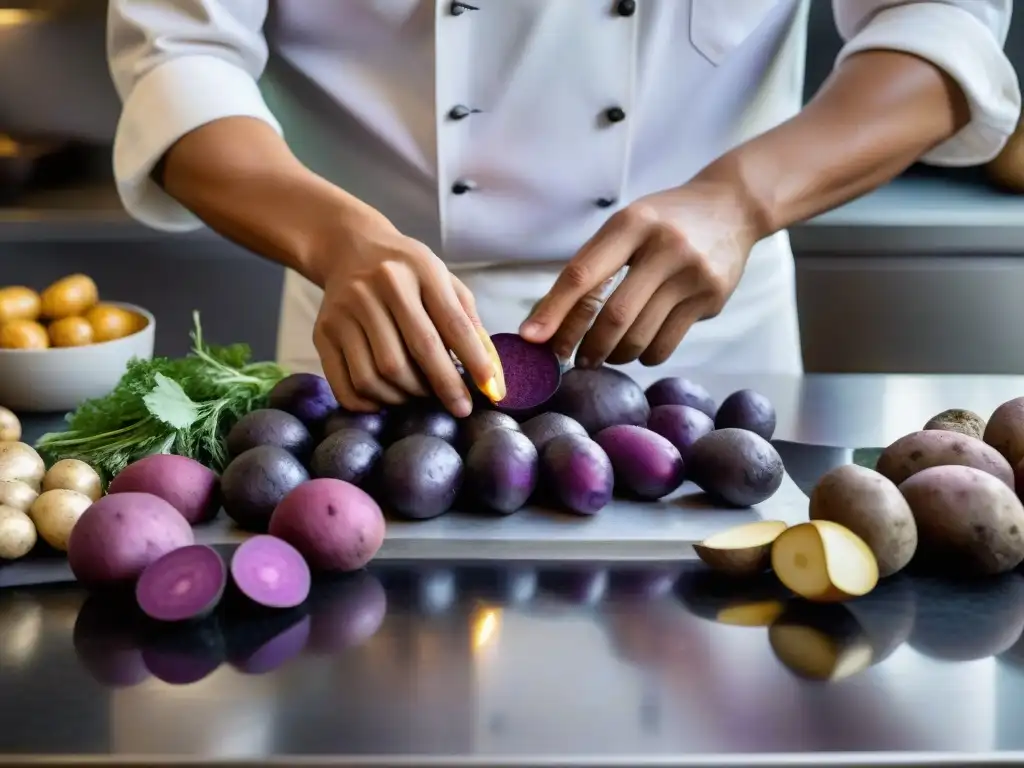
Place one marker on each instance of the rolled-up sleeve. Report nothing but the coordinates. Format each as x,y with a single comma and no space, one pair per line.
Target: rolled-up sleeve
964,38
178,65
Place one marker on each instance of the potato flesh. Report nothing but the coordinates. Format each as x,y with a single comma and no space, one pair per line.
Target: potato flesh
823,561
748,535
817,656
756,614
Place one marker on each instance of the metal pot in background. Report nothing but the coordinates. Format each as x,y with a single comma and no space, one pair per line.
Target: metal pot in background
54,81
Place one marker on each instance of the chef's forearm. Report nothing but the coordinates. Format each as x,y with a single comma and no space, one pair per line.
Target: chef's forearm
239,176
877,114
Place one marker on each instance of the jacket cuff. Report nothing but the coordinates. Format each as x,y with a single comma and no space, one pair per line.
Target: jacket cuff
172,100
958,43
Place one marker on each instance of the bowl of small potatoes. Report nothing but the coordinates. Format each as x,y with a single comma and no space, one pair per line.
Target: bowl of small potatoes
65,344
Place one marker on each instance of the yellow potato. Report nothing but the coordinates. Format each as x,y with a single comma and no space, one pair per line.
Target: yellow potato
55,514
18,303
19,461
824,562
72,295
17,534
73,475
14,493
71,332
23,334
109,322
10,427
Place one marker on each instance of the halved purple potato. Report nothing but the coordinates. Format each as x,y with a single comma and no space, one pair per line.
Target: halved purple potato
545,427
345,612
187,485
423,417
532,373
260,644
371,423
348,454
270,426
108,640
184,585
184,655
501,471
255,482
601,397
646,465
577,473
681,425
420,477
270,572
748,410
736,466
481,421
305,395
675,390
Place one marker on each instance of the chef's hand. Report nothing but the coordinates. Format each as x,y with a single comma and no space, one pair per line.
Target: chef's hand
391,313
686,249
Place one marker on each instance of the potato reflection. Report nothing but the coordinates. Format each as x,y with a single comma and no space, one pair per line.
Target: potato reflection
21,628
750,602
345,612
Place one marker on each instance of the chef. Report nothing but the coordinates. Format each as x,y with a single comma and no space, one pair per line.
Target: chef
613,176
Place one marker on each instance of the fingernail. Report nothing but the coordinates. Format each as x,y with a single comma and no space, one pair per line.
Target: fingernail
582,361
461,408
494,390
529,328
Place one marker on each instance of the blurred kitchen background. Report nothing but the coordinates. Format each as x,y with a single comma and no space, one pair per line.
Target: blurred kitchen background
924,275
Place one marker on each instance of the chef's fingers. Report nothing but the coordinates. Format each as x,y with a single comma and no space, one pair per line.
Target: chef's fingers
460,331
467,300
337,376
389,353
679,321
366,380
604,255
578,322
652,266
640,335
424,343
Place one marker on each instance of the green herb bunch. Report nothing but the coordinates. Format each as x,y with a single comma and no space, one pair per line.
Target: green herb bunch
184,406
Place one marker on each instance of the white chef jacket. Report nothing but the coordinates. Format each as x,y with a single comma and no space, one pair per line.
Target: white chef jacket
503,133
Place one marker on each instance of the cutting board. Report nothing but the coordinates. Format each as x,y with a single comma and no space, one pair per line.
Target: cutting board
624,530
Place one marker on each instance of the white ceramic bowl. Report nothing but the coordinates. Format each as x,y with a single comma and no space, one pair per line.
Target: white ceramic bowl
59,378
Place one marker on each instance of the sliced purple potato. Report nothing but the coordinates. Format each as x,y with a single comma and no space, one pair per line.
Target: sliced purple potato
532,373
501,471
545,427
424,417
576,474
600,398
184,585
184,655
347,454
306,396
107,638
747,409
373,424
270,572
270,426
681,425
675,390
646,465
255,482
481,421
420,477
345,612
260,644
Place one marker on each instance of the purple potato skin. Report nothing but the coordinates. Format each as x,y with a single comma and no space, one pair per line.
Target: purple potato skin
348,454
600,398
372,424
420,477
736,466
306,396
190,487
747,409
646,464
269,426
681,425
577,472
255,482
675,390
501,470
427,418
546,427
480,422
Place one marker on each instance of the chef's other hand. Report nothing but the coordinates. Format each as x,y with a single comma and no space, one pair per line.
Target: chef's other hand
686,249
391,313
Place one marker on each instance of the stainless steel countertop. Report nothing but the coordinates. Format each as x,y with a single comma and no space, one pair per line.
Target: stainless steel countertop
482,664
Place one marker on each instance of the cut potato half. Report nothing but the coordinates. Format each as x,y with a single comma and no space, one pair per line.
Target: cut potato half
753,614
743,550
821,642
824,562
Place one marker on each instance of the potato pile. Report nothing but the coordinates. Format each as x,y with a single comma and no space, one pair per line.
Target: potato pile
947,498
68,313
36,503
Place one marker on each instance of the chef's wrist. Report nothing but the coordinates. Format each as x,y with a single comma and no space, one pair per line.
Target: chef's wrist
726,182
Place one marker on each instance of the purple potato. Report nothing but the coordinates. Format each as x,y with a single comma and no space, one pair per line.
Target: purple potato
260,643
480,422
645,463
532,373
600,398
271,572
255,482
424,418
736,466
577,473
675,390
269,426
345,612
184,654
748,410
372,424
544,428
306,396
681,425
420,477
348,454
501,470
185,584
187,485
